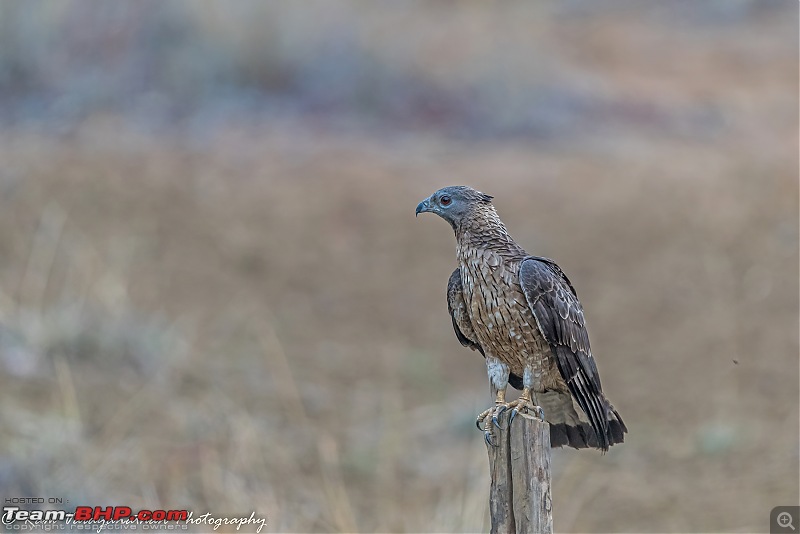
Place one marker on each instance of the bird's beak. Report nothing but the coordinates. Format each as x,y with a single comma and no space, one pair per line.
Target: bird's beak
423,206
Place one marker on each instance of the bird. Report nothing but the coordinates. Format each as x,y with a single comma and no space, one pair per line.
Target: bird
522,313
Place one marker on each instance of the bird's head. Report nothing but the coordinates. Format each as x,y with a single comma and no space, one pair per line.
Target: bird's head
454,203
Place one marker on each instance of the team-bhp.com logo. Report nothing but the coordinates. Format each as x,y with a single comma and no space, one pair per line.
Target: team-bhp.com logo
99,518
12,514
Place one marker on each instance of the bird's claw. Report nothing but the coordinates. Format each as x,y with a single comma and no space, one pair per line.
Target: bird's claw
490,418
524,405
495,422
540,413
497,413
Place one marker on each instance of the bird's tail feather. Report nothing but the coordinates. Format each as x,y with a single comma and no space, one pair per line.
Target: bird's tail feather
570,429
582,436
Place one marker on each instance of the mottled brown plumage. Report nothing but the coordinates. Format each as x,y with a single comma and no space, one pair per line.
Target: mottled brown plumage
523,314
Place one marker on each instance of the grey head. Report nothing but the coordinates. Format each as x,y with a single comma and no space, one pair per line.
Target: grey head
454,203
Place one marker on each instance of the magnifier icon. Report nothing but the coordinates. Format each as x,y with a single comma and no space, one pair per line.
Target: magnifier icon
784,520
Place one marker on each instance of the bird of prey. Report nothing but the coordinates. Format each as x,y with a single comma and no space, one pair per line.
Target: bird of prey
523,314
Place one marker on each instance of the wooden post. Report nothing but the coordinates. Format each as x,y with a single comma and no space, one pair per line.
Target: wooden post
519,498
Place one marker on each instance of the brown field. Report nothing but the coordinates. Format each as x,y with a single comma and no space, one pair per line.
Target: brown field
252,319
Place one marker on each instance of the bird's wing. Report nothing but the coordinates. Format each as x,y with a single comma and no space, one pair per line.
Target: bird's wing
462,323
559,316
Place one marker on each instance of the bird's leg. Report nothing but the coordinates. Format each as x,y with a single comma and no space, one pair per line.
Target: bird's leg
525,403
489,417
499,402
498,374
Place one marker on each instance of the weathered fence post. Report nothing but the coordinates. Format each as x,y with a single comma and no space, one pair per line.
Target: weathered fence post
519,498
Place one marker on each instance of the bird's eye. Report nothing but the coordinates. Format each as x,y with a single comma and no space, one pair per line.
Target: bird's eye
445,200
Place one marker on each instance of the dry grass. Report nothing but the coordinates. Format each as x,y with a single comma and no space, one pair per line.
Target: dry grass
251,319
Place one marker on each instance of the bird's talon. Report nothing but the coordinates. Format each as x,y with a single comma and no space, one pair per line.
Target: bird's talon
541,413
514,413
498,411
496,422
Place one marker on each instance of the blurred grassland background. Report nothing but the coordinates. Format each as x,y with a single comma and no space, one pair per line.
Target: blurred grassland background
214,294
